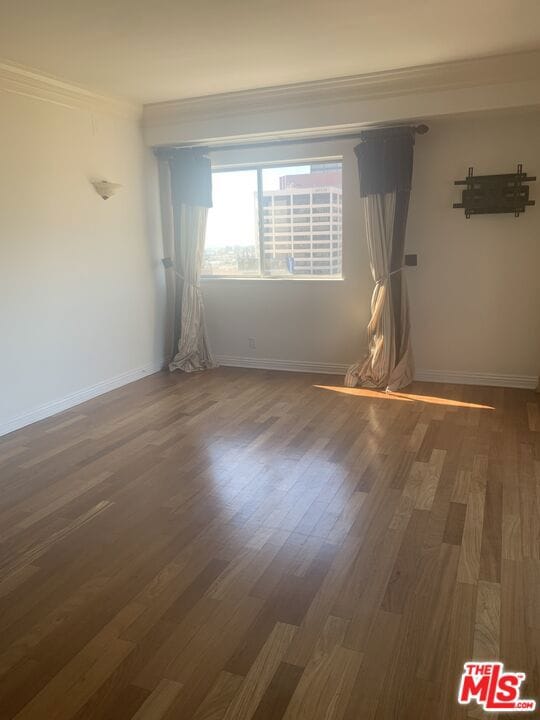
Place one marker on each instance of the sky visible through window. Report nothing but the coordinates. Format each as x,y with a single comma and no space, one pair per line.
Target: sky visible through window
233,219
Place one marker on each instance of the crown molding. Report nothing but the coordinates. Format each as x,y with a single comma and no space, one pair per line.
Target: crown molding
19,80
494,70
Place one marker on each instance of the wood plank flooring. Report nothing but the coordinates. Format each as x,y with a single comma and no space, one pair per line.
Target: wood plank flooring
252,545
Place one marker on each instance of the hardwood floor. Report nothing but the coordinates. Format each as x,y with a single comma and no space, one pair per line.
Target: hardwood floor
245,544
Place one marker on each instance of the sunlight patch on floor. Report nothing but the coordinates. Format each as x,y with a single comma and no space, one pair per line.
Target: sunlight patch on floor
404,397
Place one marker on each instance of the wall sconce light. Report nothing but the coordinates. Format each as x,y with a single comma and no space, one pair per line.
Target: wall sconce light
106,189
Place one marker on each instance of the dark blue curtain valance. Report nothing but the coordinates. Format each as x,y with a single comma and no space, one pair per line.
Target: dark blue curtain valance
191,178
385,160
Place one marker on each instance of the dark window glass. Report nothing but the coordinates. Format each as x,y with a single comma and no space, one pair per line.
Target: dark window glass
321,198
282,200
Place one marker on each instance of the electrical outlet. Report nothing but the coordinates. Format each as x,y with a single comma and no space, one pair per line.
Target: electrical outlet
252,344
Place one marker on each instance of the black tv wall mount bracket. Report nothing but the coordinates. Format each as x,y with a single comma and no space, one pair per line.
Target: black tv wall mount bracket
483,194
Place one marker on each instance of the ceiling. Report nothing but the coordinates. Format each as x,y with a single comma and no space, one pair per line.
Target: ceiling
170,49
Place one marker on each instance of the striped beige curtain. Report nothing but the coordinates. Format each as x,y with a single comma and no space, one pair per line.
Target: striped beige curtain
186,195
193,346
385,166
380,369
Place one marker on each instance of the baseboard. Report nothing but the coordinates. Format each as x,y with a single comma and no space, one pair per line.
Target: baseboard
76,398
303,366
438,376
528,382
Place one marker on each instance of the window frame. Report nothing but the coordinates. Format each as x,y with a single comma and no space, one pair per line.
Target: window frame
259,167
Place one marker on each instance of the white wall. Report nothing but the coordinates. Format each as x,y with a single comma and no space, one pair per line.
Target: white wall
80,279
475,295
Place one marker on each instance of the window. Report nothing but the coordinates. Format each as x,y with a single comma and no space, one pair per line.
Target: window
248,234
232,246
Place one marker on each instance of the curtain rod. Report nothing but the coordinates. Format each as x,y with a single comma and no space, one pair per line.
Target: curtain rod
362,134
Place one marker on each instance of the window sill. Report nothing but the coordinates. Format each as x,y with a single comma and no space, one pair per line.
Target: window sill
229,278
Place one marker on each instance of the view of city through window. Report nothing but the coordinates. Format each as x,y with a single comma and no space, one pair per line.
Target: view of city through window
301,222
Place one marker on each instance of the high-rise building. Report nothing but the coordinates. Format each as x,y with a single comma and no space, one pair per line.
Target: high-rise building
302,223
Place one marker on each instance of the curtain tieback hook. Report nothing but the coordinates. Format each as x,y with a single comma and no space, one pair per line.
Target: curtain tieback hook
382,279
183,279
